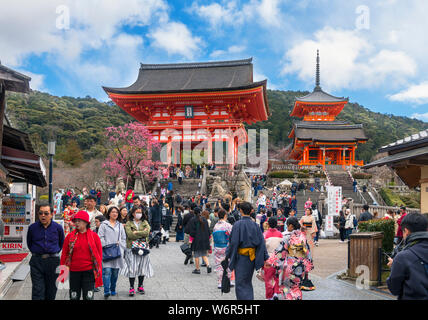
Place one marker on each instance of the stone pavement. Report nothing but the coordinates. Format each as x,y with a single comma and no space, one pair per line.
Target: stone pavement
174,281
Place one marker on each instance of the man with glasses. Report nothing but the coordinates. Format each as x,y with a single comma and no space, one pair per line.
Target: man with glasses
44,239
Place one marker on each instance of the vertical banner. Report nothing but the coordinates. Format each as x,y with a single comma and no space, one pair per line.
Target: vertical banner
334,200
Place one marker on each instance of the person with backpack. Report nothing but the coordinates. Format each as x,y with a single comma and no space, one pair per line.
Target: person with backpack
349,223
409,268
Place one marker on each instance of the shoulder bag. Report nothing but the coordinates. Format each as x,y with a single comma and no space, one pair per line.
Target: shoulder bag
112,251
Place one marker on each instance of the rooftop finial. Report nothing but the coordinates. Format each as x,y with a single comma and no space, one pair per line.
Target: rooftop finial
317,75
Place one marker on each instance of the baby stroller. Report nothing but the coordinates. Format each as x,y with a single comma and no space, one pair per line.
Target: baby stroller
155,238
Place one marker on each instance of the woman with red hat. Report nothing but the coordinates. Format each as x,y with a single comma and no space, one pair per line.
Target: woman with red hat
82,256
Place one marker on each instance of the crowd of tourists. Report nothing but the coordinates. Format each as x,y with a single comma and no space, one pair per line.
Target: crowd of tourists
97,245
100,243
249,239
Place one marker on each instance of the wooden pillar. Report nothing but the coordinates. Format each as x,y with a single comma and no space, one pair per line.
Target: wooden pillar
230,151
323,158
210,150
168,151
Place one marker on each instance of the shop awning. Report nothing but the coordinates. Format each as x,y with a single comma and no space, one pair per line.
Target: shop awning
24,166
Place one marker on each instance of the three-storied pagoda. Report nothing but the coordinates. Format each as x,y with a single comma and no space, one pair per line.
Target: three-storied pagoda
319,139
186,104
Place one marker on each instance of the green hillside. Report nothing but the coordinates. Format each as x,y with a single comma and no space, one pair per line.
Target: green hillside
83,120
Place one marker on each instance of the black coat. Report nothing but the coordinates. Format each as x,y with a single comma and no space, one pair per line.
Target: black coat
409,279
200,233
156,214
186,219
179,226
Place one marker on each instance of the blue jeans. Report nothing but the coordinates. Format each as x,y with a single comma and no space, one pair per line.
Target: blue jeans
129,205
260,207
348,232
110,276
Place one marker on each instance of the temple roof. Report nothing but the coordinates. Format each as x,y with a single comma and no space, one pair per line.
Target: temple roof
13,80
188,77
318,95
329,131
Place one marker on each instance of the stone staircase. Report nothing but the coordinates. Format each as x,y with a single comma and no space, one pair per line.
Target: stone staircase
343,179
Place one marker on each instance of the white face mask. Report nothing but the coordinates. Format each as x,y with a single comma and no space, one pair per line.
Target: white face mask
138,216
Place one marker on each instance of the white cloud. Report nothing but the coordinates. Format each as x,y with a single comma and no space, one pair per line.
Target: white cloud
420,116
175,38
416,94
230,12
348,60
29,27
232,50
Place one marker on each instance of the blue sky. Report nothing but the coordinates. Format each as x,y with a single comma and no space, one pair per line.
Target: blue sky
371,51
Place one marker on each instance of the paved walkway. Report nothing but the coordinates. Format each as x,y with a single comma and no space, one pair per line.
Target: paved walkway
174,280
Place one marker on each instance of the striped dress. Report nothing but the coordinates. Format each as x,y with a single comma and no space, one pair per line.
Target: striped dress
136,265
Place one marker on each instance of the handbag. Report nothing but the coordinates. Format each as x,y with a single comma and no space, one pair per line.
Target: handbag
139,247
185,248
112,251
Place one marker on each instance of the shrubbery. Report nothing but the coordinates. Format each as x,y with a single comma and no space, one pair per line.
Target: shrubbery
390,198
361,175
380,225
283,174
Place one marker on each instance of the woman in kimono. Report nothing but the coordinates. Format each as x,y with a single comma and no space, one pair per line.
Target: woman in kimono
293,261
221,233
309,227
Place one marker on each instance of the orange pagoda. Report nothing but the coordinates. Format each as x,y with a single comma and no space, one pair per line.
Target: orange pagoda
185,105
319,139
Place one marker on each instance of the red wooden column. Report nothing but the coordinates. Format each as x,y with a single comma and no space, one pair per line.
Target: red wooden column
169,151
210,150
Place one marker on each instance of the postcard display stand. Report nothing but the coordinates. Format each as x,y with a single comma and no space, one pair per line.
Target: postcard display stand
16,217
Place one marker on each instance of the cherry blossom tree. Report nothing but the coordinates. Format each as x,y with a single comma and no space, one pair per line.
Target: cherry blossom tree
131,147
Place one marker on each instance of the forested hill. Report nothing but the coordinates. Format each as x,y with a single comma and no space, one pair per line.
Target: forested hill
79,122
380,129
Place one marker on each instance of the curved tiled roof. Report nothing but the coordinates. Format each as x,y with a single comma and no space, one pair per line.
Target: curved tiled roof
318,95
185,77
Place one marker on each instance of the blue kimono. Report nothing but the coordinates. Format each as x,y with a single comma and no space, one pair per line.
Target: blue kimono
245,234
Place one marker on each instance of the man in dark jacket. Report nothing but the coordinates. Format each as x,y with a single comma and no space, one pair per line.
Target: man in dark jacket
409,268
155,216
365,215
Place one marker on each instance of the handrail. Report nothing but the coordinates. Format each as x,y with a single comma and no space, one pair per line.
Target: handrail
360,195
